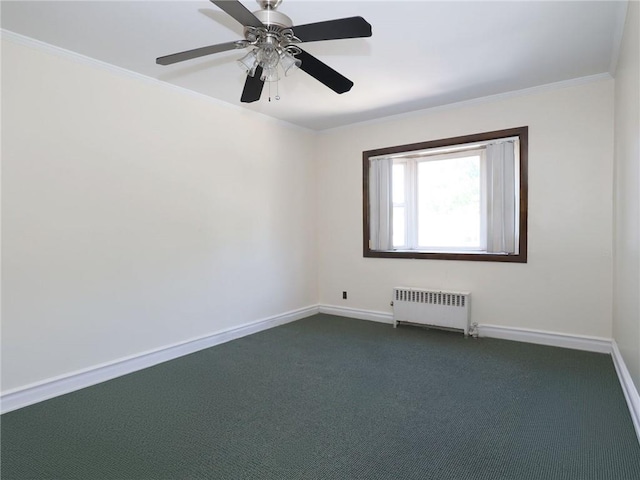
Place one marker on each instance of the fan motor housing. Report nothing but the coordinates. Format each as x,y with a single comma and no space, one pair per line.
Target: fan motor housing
271,17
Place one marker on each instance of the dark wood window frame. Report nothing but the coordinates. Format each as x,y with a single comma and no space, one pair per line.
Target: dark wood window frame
521,257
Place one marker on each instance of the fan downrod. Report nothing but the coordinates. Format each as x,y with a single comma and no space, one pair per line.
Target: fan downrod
269,4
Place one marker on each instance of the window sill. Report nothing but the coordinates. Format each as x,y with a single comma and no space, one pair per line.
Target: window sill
466,256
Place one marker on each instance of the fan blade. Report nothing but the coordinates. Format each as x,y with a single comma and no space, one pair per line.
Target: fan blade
252,87
198,52
239,12
324,73
352,27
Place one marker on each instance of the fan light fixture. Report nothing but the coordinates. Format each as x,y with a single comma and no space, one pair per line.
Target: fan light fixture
270,58
273,48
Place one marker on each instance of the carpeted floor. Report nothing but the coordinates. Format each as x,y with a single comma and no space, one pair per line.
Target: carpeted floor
334,398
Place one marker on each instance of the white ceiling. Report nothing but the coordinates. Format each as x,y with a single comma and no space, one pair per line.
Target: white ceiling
422,53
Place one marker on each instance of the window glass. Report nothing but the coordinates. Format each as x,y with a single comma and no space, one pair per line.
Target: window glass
398,183
399,227
448,205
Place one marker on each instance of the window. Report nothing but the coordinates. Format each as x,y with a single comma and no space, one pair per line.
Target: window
461,198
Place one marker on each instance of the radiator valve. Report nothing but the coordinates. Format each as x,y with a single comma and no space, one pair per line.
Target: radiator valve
473,330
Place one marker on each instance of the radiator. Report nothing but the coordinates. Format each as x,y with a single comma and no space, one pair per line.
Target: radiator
434,308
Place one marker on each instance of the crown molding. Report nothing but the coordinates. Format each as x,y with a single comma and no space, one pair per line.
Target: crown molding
573,82
618,34
29,42
85,60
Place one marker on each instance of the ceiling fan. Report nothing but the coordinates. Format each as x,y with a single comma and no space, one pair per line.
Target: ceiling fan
273,40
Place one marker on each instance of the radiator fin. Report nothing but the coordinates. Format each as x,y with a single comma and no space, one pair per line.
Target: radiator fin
435,298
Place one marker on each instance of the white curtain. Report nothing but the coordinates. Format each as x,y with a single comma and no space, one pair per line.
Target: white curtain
501,197
380,204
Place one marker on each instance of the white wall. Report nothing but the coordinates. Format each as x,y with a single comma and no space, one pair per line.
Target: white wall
566,286
626,312
135,216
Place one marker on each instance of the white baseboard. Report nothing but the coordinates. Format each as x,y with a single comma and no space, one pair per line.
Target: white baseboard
37,392
630,391
554,339
577,342
372,315
540,337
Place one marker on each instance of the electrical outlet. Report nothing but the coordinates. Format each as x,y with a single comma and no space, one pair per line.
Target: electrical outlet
344,295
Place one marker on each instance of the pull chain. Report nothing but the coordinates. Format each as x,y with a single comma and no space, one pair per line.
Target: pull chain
277,82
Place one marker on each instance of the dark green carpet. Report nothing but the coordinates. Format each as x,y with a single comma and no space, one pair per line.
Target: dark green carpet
334,398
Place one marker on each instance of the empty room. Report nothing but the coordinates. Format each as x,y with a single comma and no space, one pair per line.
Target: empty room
310,239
